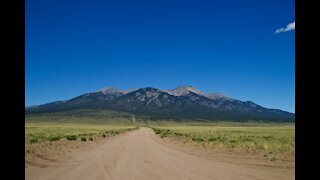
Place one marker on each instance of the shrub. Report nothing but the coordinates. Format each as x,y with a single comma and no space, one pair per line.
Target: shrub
157,131
212,139
103,135
56,138
90,139
33,140
163,135
72,138
115,132
83,139
197,139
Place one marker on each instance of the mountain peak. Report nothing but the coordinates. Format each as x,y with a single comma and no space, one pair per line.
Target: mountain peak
113,90
128,91
184,90
108,90
184,102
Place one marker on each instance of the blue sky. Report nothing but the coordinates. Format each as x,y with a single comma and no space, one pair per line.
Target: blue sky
229,46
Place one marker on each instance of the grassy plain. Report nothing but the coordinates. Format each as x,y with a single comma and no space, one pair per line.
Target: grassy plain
267,138
86,125
40,132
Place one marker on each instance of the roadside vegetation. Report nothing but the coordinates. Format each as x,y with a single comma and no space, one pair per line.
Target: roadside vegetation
40,132
84,126
265,138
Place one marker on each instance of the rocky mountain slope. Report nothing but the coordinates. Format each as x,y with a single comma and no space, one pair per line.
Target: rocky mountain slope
183,102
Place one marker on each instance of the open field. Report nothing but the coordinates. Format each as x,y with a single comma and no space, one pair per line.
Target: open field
264,138
39,132
141,154
189,150
46,141
81,116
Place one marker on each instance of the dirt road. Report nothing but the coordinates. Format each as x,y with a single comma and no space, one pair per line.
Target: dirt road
140,155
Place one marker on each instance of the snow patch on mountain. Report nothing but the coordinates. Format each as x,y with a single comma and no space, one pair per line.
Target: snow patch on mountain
128,91
184,90
215,96
108,90
113,90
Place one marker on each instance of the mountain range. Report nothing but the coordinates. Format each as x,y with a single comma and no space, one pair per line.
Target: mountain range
183,102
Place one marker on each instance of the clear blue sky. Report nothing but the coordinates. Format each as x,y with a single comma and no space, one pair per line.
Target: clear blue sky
226,46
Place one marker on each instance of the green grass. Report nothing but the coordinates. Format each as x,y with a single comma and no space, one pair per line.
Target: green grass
266,138
81,116
40,132
249,136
